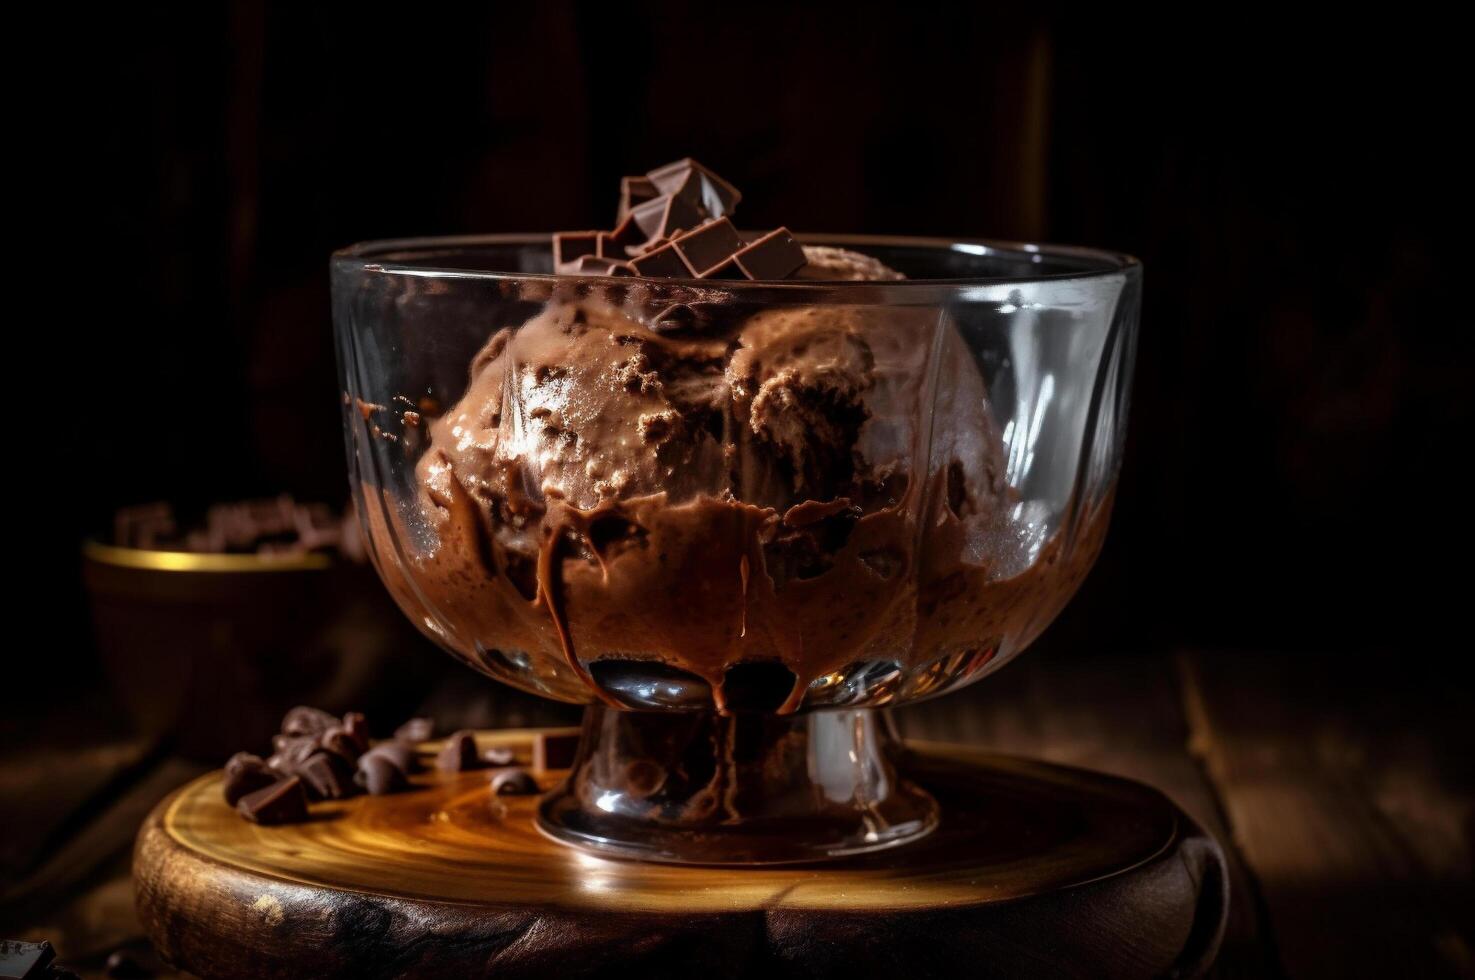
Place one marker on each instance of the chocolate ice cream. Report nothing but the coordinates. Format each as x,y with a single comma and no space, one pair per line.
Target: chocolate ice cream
751,509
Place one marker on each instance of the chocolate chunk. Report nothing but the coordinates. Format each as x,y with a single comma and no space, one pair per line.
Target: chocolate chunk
663,263
667,214
716,195
499,755
727,270
246,773
514,782
21,959
357,727
327,776
459,753
303,720
570,246
554,750
607,248
633,191
617,243
774,256
379,775
402,754
591,265
282,802
338,741
415,730
708,246
291,751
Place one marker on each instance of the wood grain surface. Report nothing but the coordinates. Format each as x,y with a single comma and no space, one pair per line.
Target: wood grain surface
1037,870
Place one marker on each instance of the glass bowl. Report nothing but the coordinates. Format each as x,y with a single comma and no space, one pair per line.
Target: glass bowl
732,517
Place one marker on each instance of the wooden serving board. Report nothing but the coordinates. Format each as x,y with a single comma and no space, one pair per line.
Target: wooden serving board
1035,870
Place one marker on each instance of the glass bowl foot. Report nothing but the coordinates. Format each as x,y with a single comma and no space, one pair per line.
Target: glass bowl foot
702,788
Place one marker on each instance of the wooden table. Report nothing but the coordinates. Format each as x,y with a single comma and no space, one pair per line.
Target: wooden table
1344,799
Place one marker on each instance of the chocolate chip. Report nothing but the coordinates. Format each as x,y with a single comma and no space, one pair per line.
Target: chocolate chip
514,782
499,755
402,754
282,802
554,750
459,753
415,730
303,720
379,775
244,774
327,776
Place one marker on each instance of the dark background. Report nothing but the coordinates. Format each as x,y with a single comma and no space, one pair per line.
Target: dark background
1303,394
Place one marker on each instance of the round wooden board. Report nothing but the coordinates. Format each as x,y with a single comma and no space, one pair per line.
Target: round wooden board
1036,870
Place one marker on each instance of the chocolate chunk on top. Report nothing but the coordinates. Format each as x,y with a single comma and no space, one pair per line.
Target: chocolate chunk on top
246,773
459,753
774,256
665,262
282,802
633,191
570,246
708,246
666,215
593,265
717,196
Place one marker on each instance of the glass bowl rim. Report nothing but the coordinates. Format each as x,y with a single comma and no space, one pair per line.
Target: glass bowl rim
1102,263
